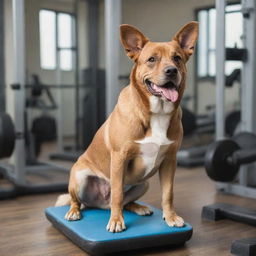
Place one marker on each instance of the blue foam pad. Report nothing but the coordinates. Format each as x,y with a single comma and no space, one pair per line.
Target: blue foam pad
91,235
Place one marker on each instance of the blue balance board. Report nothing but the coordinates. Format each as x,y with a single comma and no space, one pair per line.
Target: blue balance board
91,235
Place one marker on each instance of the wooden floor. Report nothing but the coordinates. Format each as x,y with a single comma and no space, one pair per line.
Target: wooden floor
24,229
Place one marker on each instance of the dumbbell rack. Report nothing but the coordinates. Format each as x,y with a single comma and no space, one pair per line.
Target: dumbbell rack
246,179
17,170
245,183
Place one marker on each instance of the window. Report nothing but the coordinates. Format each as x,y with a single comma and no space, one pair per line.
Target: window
56,40
206,40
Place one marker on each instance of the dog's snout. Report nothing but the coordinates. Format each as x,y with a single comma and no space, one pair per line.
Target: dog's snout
171,71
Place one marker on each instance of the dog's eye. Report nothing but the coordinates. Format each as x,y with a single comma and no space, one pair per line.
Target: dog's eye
151,59
176,58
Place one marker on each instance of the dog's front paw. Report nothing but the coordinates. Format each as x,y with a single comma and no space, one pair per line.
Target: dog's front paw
73,214
139,209
116,224
173,220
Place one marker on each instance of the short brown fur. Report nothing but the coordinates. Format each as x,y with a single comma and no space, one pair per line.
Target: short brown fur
114,154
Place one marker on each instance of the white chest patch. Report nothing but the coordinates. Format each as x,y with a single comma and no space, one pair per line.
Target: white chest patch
154,147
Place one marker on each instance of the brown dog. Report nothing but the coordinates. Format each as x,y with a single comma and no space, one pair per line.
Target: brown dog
141,136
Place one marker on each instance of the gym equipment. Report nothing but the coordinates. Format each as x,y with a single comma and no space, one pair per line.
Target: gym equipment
23,177
2,58
221,211
223,158
191,157
232,122
7,135
226,156
246,246
237,54
235,75
90,92
91,235
45,175
194,156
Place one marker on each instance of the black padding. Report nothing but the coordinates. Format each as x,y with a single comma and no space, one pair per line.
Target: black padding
7,135
236,54
188,121
232,121
244,247
217,165
220,211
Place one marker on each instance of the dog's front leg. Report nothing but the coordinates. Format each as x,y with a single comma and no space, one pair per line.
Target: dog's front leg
116,221
166,174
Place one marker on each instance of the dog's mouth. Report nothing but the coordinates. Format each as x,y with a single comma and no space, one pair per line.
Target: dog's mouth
168,90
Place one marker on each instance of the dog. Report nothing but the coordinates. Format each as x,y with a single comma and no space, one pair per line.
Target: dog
140,137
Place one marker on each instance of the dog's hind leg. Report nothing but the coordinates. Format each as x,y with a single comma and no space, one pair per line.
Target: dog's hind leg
134,193
74,211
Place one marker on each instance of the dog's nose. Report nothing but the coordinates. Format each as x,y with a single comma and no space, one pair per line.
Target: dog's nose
171,71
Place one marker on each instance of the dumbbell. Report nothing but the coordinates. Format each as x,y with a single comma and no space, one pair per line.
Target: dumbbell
223,158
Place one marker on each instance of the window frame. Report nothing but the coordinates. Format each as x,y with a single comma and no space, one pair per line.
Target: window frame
196,14
57,47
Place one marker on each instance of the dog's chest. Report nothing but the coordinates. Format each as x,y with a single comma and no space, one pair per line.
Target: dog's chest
154,147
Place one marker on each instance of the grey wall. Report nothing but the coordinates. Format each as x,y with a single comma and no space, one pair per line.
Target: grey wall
159,20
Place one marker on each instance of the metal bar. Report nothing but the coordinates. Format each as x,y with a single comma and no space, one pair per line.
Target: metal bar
77,83
59,93
249,75
237,189
2,70
248,91
220,68
19,78
93,36
112,45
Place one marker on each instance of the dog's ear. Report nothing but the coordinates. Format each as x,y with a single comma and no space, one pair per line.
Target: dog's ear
132,40
187,37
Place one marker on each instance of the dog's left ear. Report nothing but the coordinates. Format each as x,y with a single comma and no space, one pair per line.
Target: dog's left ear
187,37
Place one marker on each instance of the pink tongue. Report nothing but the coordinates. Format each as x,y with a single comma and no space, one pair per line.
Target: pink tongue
170,94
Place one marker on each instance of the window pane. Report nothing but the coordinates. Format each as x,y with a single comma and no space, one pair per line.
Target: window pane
202,43
212,63
66,60
47,28
234,29
231,65
212,28
64,30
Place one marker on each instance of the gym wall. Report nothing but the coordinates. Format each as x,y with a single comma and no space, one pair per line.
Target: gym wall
158,21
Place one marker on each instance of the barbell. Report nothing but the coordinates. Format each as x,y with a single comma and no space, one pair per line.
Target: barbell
223,158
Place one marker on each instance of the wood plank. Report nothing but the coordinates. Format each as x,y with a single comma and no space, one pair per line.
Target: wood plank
25,230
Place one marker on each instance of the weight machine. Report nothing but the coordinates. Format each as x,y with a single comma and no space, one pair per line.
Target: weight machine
232,162
45,177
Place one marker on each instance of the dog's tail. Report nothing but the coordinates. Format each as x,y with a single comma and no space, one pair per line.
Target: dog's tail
62,200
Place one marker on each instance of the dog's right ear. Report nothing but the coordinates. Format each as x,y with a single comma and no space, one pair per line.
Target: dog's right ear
132,40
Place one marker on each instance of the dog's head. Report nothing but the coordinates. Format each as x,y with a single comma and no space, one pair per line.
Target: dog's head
160,67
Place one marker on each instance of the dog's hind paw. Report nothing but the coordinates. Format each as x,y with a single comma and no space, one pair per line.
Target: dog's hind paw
139,209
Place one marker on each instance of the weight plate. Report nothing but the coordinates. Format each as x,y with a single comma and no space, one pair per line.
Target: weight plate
216,164
7,135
